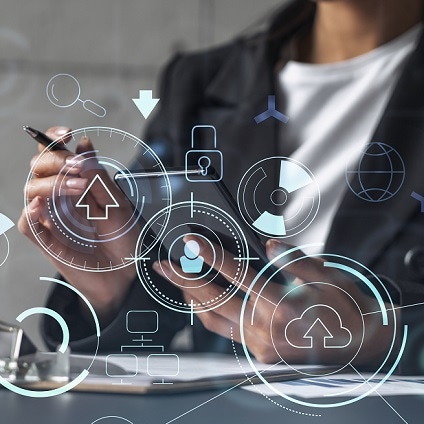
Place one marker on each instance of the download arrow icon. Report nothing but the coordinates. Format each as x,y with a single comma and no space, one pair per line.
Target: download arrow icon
145,102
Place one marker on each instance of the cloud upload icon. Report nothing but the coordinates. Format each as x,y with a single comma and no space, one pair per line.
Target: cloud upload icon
317,335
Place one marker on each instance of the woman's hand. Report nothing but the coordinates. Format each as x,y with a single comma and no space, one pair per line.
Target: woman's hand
315,318
105,290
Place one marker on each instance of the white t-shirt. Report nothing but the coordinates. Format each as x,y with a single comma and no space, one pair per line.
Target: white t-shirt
334,110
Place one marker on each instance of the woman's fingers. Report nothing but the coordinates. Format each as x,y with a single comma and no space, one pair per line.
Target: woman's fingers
302,266
55,162
227,325
52,162
215,321
59,134
43,187
77,172
33,209
34,214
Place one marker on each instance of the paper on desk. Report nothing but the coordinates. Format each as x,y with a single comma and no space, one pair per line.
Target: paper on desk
206,371
126,373
346,385
199,366
129,370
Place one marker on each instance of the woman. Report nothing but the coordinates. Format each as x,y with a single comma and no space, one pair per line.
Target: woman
346,72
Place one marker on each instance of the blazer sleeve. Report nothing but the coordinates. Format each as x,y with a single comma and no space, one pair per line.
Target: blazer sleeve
412,329
82,331
163,135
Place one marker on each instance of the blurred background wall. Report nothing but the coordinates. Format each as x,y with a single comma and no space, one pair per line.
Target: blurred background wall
114,49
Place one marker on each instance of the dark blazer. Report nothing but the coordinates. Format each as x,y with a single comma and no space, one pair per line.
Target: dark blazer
227,87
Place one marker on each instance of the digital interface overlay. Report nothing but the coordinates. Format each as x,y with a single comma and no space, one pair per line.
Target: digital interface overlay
97,230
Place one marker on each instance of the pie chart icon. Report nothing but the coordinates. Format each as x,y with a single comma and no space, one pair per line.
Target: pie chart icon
5,224
278,197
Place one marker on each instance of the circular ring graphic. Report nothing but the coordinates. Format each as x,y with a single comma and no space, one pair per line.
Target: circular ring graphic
278,197
7,250
97,229
46,311
335,262
61,200
63,347
111,419
309,342
63,99
206,222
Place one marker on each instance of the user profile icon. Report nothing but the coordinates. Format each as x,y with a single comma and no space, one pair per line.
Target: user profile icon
185,259
192,262
191,254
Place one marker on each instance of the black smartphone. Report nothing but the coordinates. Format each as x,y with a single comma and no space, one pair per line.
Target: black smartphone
210,191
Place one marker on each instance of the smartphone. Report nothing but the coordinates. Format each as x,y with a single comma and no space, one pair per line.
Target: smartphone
210,191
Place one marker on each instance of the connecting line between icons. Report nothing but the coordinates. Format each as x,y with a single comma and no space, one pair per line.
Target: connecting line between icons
217,396
271,113
122,383
246,259
393,309
162,382
137,259
251,291
211,399
253,384
191,205
142,340
207,401
142,346
385,401
191,313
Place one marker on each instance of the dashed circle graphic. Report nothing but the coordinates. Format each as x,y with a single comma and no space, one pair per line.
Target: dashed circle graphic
183,214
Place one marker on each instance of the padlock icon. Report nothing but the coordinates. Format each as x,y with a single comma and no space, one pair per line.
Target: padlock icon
209,163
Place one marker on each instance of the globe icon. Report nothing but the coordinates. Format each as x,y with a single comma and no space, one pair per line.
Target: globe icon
378,175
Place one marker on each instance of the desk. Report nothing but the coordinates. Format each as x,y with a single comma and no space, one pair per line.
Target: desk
235,406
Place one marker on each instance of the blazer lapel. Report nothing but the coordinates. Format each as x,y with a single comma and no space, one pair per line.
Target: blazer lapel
235,96
362,229
240,91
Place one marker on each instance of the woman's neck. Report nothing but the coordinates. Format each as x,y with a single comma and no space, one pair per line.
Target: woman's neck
344,29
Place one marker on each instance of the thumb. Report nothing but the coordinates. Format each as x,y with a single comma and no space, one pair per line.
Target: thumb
296,262
84,146
275,247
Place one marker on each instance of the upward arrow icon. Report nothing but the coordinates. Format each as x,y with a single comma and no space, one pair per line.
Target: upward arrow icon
318,331
100,185
145,102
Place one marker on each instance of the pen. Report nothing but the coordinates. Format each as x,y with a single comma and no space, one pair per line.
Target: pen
43,139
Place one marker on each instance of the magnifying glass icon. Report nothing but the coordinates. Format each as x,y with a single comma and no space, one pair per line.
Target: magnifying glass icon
63,90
